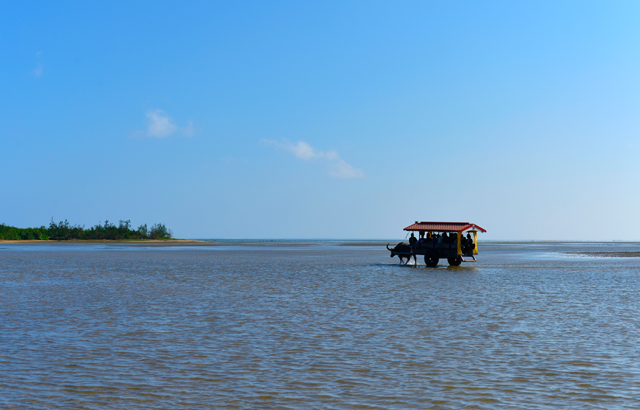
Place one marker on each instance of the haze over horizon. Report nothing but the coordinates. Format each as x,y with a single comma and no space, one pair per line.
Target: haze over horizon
336,120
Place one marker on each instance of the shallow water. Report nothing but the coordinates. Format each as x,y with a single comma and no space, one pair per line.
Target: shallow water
317,326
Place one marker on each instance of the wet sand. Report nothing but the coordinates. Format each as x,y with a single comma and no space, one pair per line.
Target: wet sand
368,243
194,242
608,254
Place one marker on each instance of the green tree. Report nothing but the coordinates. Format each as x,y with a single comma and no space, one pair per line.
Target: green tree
159,231
143,231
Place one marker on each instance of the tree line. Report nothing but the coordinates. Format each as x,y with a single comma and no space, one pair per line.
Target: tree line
66,231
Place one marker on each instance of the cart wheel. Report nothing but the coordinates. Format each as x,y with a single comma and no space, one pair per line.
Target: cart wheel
455,260
431,259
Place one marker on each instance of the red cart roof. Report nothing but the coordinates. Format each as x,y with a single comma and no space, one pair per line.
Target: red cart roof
443,226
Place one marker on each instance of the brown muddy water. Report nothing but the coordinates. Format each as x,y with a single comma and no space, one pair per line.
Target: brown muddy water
317,326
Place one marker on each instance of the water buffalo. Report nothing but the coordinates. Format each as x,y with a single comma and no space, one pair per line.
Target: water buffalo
403,250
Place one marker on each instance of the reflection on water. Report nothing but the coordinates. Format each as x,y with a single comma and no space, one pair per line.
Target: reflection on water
317,327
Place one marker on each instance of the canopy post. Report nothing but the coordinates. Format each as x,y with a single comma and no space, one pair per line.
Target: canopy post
459,248
475,242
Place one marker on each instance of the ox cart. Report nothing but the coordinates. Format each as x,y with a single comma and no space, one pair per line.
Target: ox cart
440,240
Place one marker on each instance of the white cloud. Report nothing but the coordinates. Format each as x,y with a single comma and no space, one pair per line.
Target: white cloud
300,150
338,167
303,150
160,125
341,169
38,70
331,155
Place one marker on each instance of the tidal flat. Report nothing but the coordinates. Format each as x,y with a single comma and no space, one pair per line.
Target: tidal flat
315,324
626,254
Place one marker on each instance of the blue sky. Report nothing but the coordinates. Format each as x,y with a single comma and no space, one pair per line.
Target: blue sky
323,119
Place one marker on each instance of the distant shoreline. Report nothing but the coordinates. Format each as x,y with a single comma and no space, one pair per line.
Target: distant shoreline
131,242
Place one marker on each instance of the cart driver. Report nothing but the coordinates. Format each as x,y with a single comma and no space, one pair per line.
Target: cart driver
412,240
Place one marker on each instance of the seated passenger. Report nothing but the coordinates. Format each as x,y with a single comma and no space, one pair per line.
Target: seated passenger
470,246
